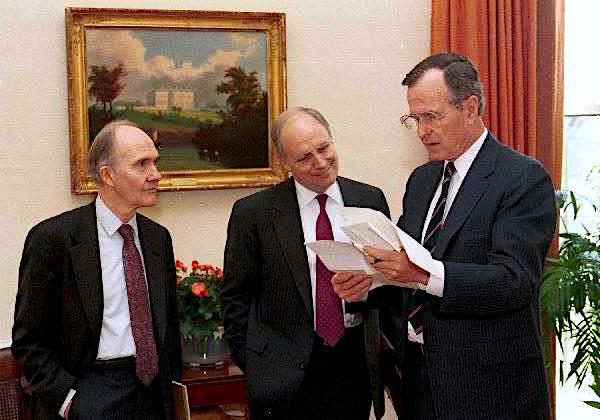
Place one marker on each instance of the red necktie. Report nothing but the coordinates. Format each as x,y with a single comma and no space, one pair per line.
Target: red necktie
436,223
330,319
146,359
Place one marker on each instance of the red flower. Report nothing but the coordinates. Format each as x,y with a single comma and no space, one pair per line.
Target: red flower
179,266
206,267
199,289
198,297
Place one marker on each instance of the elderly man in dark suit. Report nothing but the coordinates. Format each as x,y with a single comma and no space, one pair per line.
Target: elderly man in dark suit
304,354
468,341
96,327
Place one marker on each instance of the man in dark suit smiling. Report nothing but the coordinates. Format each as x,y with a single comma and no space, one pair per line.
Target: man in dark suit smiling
96,327
304,355
468,341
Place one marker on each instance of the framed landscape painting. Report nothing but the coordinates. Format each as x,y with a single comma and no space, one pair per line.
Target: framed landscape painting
206,86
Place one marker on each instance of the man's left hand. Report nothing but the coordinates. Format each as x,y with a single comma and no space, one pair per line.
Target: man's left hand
351,286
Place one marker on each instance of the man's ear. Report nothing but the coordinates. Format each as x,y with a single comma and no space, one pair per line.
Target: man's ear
284,163
106,175
472,106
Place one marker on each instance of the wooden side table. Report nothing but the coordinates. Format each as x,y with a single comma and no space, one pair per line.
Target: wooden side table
214,386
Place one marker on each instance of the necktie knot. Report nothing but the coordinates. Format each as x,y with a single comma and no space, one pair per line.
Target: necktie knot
322,199
126,231
449,171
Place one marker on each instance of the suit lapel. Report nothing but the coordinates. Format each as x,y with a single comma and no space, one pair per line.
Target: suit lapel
351,196
155,269
288,229
85,258
471,190
414,223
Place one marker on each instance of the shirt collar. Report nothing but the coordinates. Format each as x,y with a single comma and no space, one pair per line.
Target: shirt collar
464,161
305,196
109,221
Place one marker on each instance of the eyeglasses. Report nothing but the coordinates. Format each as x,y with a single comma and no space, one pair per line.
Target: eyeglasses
324,150
430,118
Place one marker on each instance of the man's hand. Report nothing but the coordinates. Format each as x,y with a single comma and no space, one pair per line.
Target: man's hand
351,286
396,266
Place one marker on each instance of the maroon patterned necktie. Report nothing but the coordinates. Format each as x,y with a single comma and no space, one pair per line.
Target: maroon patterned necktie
419,297
146,360
330,319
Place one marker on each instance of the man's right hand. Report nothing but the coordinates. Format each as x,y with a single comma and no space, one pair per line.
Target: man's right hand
351,287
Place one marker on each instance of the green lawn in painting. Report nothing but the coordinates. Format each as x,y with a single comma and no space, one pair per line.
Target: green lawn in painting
184,158
149,117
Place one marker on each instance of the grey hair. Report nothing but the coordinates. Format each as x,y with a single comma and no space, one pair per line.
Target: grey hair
460,76
102,147
289,114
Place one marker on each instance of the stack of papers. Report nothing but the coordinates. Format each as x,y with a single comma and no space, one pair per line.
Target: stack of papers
370,227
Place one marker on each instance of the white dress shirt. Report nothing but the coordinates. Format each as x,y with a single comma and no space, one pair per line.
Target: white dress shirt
462,164
309,211
116,337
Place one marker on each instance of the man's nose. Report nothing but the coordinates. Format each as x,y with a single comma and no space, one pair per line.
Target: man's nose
154,174
319,161
423,129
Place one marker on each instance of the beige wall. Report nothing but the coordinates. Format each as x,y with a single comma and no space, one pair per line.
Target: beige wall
346,58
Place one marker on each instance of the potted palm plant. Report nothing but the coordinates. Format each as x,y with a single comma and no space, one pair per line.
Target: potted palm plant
570,296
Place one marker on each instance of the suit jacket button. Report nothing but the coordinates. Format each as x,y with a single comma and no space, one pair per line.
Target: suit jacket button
267,412
301,365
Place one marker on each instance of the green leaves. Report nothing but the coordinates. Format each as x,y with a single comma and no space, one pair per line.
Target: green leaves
198,300
595,387
570,296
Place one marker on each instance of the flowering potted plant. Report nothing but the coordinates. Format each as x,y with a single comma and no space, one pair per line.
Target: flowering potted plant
200,313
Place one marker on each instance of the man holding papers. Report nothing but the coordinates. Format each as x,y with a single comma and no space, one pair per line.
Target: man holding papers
305,356
469,343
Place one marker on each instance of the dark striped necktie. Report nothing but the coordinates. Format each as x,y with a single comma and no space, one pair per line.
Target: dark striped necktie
436,223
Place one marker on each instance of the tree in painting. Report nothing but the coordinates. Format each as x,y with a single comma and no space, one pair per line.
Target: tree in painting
105,87
244,93
242,134
105,84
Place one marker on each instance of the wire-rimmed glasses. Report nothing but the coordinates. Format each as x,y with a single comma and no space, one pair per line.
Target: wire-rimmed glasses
324,150
430,118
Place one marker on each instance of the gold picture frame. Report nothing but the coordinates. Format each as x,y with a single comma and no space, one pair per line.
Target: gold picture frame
180,74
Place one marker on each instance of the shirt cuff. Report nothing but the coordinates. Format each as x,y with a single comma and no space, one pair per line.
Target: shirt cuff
65,404
436,280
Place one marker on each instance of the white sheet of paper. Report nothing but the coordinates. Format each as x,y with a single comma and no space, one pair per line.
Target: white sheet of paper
341,257
364,234
366,226
416,252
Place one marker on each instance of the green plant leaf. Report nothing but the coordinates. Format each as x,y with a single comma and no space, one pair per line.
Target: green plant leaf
595,404
198,300
569,296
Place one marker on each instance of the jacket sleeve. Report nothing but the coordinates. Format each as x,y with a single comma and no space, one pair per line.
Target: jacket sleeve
174,337
241,273
35,331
